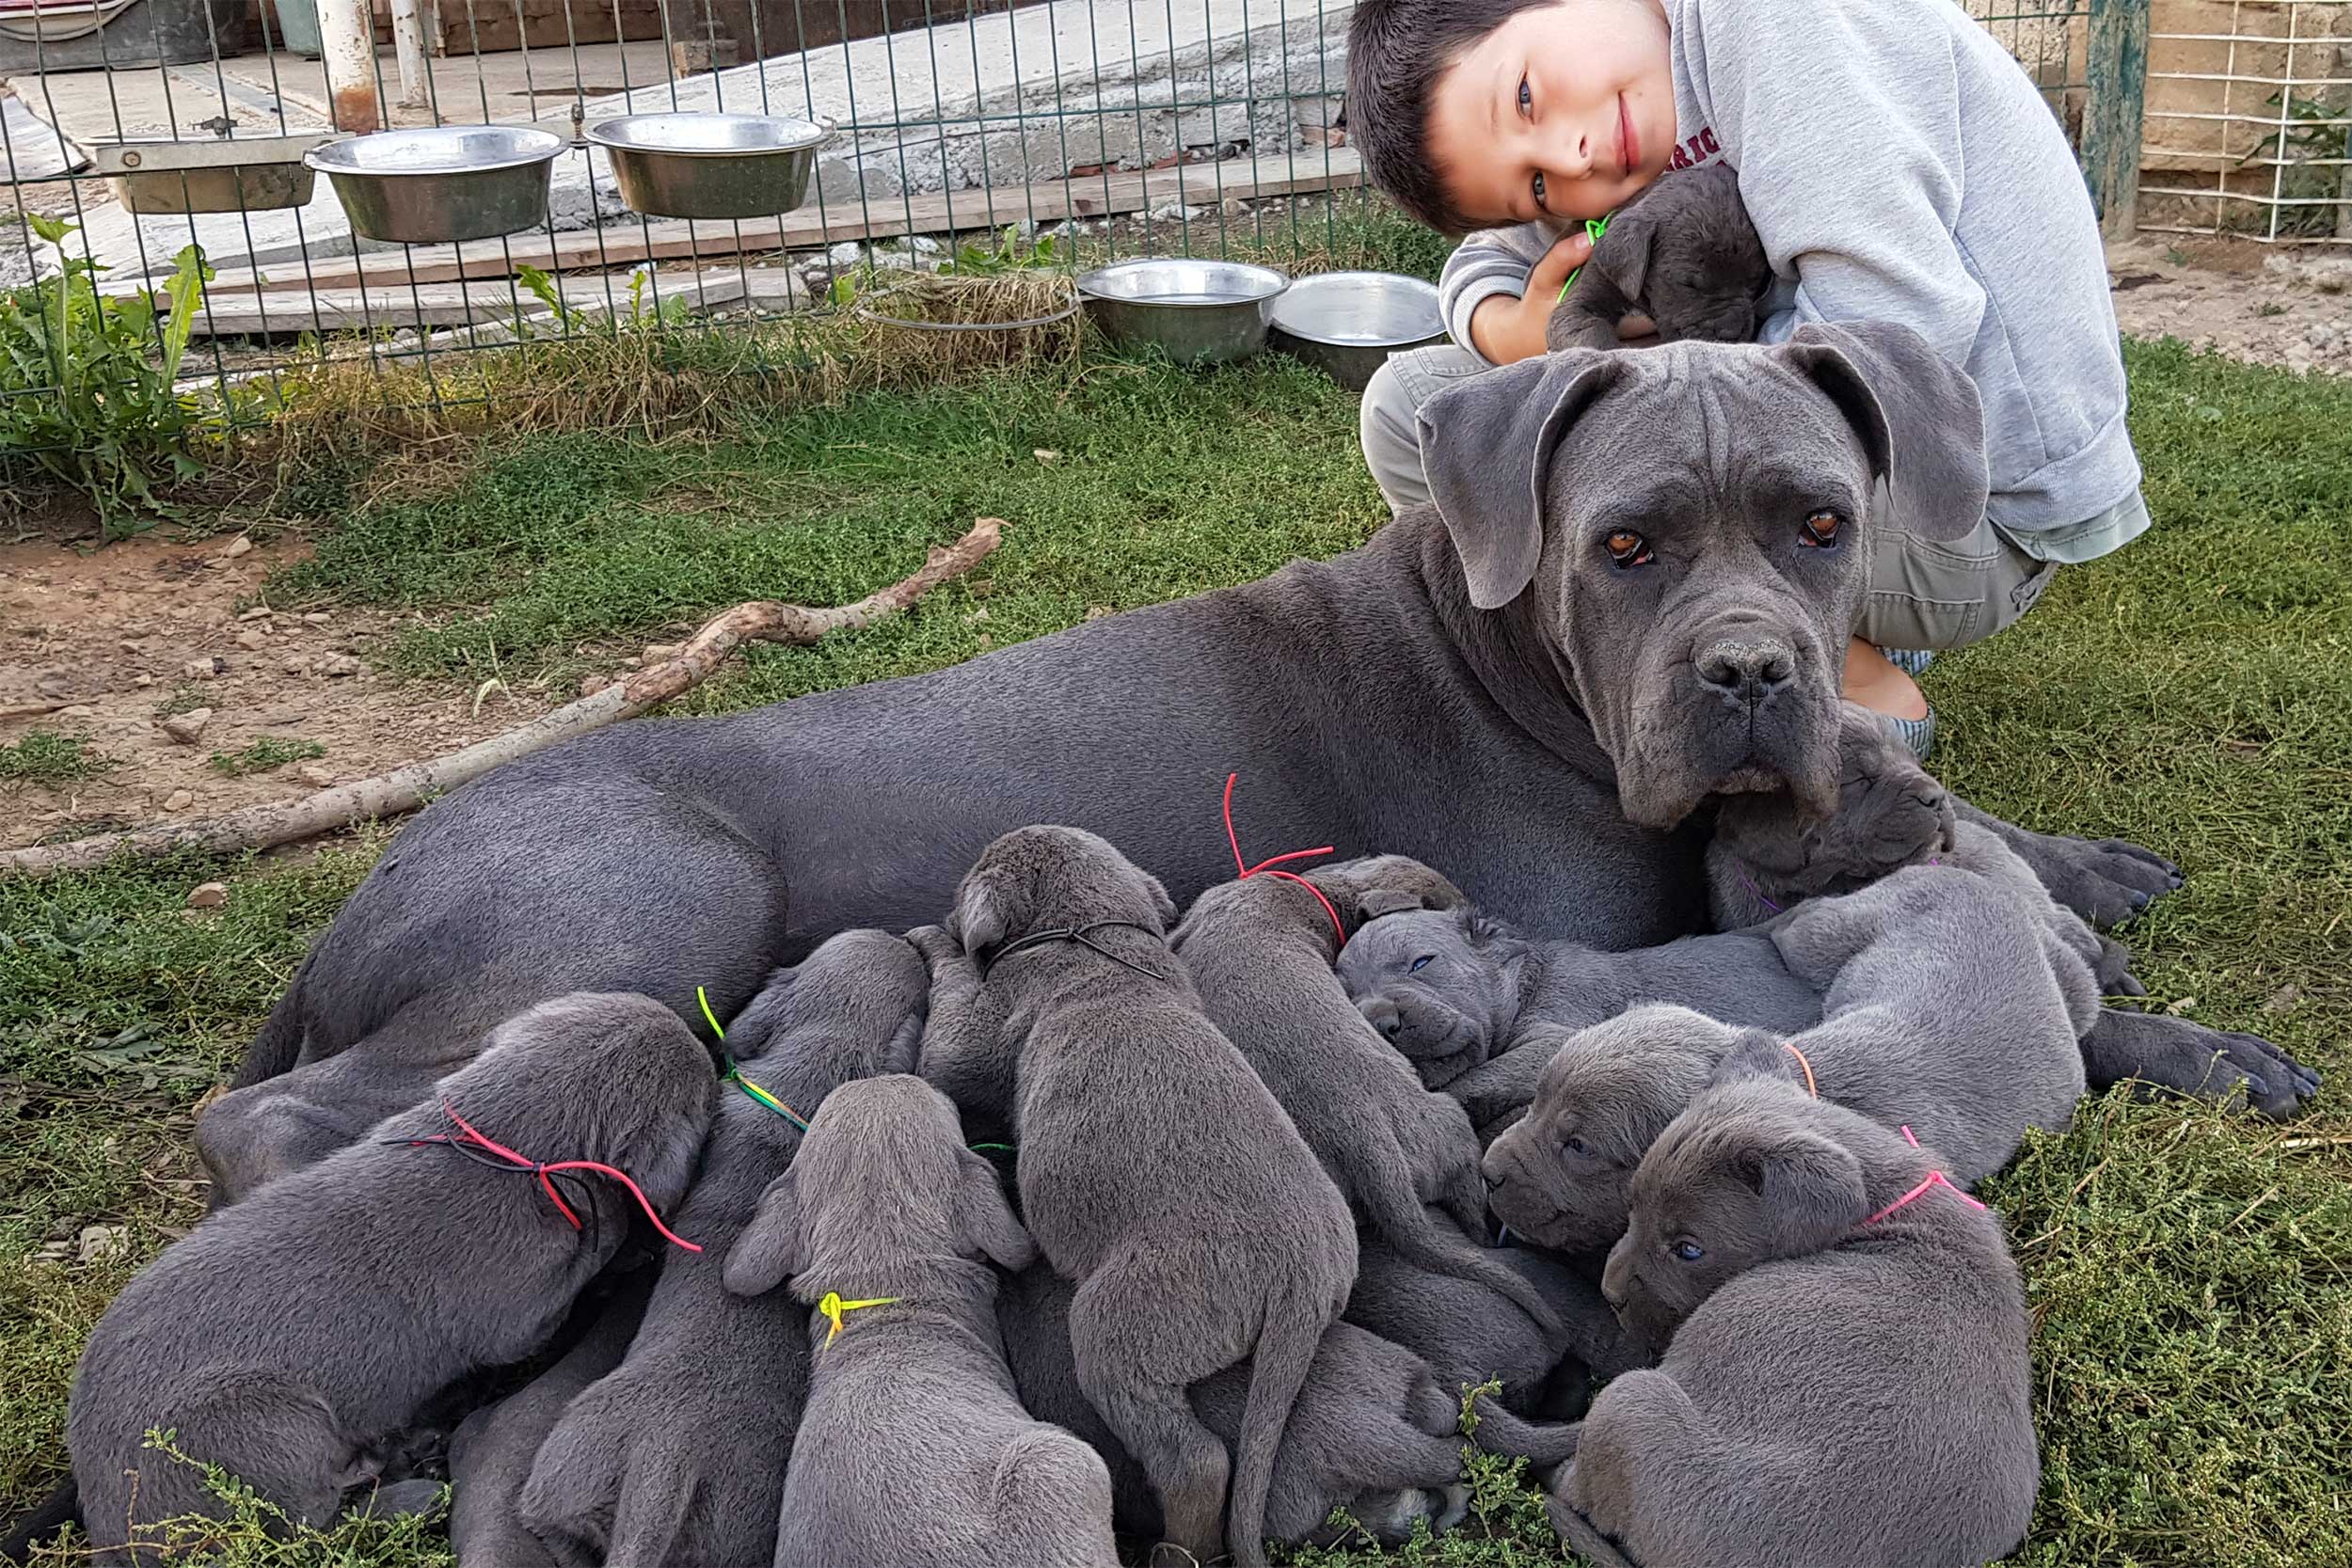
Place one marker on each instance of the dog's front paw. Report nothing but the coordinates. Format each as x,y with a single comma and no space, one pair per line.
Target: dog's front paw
1376,885
2169,1054
2104,881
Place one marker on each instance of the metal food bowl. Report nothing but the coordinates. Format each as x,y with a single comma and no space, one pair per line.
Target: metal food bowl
1197,311
252,174
443,184
681,166
1348,324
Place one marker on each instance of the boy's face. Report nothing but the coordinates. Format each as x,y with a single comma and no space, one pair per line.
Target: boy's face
1561,114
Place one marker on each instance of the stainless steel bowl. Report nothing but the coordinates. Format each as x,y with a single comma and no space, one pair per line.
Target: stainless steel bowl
251,174
682,165
442,184
1348,324
1197,310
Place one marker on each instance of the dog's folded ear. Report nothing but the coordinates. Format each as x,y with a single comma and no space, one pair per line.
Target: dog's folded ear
1758,1053
1918,416
983,916
1811,1187
1623,254
1486,445
768,1251
986,1220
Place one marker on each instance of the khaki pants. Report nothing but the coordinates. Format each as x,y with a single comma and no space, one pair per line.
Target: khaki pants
1923,594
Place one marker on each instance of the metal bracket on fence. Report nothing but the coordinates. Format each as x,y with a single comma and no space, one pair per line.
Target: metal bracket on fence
2114,111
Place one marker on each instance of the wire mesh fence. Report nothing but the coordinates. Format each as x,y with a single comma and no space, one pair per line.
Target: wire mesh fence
1061,131
2249,118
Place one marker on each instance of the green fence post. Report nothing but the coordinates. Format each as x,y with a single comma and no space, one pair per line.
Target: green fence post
2113,111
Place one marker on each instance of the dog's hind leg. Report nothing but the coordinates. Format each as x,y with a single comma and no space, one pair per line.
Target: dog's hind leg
1187,1463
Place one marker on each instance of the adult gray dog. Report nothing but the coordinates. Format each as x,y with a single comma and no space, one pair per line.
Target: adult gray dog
1610,614
1683,254
1848,1379
423,1254
1260,949
491,1451
915,1449
630,1477
1130,1107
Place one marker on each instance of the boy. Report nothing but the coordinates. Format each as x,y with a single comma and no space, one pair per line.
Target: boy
1899,167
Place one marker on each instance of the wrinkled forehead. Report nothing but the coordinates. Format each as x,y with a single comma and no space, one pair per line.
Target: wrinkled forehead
1403,937
1698,433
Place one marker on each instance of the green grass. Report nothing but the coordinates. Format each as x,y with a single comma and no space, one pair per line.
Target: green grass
264,755
2188,1268
46,757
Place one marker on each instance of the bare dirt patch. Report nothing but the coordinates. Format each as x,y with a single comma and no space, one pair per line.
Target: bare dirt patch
111,645
2265,304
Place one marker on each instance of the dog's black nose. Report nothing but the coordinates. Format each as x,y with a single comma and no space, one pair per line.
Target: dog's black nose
1750,672
1494,1183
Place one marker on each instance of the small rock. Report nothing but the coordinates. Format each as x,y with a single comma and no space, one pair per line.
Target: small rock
78,710
317,618
103,1241
204,669
1176,209
253,637
846,254
1046,455
188,728
925,243
339,665
130,647
142,679
2283,999
1233,206
315,776
256,612
209,895
237,547
1096,611
180,800
300,664
977,616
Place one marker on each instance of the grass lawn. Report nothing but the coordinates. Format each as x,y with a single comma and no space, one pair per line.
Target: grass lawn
2188,1268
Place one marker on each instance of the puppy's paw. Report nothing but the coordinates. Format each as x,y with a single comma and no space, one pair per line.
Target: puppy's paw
2104,881
2163,1054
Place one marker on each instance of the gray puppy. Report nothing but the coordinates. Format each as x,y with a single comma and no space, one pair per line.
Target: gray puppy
630,1477
293,1334
1682,253
1372,1431
491,1452
1942,1009
915,1449
1848,1379
1261,950
1156,1171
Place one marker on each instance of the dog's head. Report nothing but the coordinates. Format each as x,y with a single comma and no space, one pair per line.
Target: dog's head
1559,1176
1694,522
1048,877
1687,254
1752,1172
1890,813
857,1003
1434,984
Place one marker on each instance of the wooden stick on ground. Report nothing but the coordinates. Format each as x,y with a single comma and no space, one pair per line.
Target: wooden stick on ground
407,789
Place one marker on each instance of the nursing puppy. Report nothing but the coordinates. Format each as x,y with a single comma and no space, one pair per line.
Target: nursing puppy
915,1449
491,1452
631,1476
1261,950
1942,1010
1846,1378
1132,1110
422,1266
1682,253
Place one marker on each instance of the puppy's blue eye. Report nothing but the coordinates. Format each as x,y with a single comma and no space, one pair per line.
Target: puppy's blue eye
1415,967
1689,1251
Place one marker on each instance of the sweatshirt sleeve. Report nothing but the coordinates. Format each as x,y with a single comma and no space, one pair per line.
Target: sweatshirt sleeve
1848,143
1492,262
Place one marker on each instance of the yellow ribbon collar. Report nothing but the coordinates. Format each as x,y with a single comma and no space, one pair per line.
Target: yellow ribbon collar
833,1307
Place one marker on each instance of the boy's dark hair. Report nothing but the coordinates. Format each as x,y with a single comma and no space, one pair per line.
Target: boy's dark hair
1396,50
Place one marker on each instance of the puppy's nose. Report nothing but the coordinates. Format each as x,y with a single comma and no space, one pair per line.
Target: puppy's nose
1494,1183
1382,1015
1491,1168
1748,671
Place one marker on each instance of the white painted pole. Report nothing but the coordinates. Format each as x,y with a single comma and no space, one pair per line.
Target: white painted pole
408,37
347,38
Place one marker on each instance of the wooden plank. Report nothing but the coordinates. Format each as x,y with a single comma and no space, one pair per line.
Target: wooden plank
2115,115
248,313
922,213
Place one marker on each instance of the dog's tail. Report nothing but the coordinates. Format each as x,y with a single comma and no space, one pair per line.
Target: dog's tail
1542,1444
62,1507
649,1525
277,1048
1286,1348
1583,1538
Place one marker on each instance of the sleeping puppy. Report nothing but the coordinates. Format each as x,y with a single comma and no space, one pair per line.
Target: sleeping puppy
1374,1431
291,1335
915,1449
1942,1010
1261,951
491,1452
1682,253
631,1476
1846,1378
1156,1170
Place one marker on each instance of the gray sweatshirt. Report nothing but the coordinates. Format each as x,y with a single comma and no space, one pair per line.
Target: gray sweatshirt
1900,167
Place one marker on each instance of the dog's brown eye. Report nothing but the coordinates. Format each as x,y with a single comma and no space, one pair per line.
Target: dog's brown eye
1627,549
1819,531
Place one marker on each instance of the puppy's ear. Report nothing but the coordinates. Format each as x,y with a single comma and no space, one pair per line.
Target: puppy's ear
1758,1055
983,917
1388,901
1162,904
1623,254
1919,419
768,1252
1811,1189
986,1220
1486,444
906,1047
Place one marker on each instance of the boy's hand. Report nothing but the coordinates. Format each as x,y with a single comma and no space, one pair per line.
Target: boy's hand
1508,330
